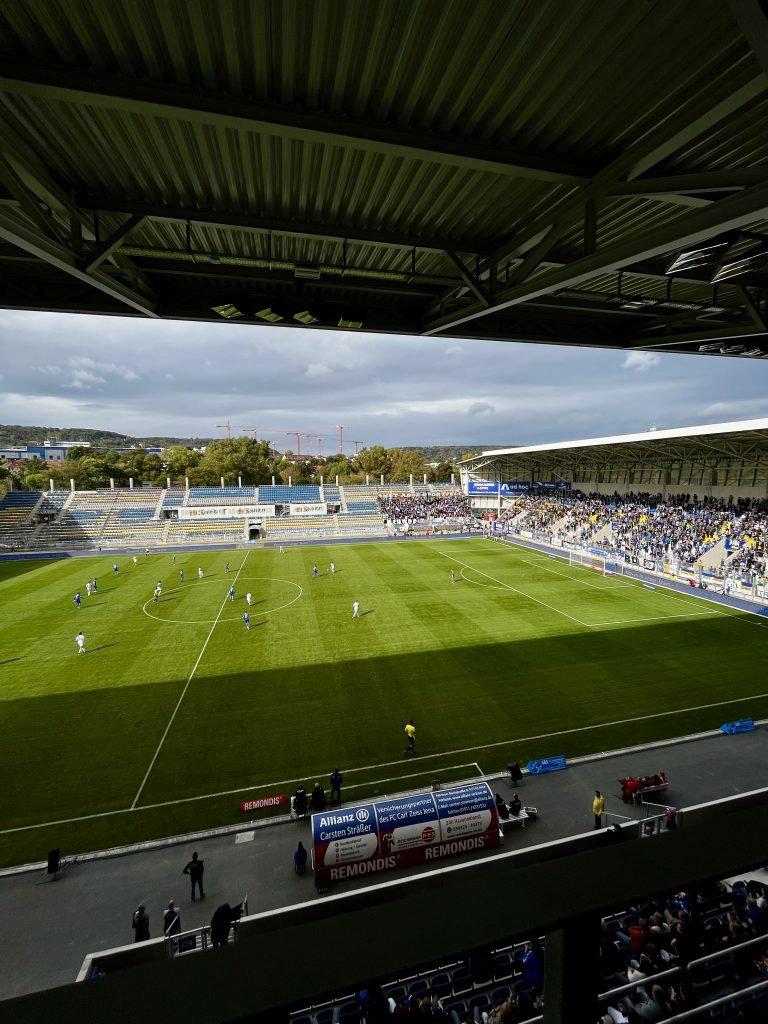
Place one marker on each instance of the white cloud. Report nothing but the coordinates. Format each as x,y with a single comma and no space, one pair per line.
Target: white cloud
641,361
84,379
317,370
454,350
737,409
51,369
110,369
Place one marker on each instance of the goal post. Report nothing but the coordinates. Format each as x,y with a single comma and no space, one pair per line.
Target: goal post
592,560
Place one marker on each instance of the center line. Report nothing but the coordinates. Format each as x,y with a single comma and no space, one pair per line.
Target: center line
184,691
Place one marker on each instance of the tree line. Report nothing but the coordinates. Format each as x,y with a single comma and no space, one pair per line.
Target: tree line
250,460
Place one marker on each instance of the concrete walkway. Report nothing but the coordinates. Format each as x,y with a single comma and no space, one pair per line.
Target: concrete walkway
49,926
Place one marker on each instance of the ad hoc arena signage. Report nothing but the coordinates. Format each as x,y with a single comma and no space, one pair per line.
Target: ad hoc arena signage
389,834
225,511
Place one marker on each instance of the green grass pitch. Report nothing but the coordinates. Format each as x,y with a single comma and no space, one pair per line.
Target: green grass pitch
176,713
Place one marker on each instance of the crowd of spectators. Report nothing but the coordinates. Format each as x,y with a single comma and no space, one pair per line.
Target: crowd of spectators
412,508
664,933
678,530
649,965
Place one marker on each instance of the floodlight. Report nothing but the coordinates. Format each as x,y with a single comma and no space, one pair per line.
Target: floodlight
229,311
305,317
753,352
350,324
711,346
268,315
732,350
702,255
741,265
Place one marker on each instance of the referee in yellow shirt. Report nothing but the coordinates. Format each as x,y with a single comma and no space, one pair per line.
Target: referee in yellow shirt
410,732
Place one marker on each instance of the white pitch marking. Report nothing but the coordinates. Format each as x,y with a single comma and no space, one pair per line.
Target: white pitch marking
573,579
232,618
246,789
655,618
514,590
186,687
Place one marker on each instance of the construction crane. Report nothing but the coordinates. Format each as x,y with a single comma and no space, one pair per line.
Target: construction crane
225,426
357,445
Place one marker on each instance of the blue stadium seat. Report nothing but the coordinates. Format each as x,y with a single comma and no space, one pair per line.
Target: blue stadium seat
418,988
349,1011
328,1015
440,985
461,980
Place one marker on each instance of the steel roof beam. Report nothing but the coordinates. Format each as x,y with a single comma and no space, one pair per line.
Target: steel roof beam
263,225
695,182
467,278
674,132
115,240
734,212
58,256
159,99
751,18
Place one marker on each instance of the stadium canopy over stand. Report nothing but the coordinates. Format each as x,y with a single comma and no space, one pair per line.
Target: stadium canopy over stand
731,455
525,170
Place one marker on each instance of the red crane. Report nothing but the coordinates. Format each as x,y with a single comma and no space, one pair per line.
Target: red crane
226,426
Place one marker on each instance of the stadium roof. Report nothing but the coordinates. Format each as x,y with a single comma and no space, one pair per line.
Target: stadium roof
514,169
738,441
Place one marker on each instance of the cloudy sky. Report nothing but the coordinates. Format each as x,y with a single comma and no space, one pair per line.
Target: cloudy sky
146,378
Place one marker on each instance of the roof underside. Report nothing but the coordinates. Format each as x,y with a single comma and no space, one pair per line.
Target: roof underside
725,444
520,170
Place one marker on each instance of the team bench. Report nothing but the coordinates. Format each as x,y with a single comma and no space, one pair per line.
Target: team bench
634,789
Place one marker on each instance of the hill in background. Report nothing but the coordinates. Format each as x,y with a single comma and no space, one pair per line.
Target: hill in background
13,434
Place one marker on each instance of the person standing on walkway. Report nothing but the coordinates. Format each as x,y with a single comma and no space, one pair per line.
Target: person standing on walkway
140,924
335,781
172,919
195,870
300,859
598,806
355,609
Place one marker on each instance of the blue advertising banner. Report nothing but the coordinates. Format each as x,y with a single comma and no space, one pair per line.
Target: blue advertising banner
407,830
740,725
547,764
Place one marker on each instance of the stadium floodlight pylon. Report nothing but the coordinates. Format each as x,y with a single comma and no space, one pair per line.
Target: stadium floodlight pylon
598,562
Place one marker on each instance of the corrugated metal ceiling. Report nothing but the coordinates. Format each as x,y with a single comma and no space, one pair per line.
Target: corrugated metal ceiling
377,137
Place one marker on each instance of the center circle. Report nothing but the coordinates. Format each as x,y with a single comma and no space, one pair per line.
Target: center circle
240,603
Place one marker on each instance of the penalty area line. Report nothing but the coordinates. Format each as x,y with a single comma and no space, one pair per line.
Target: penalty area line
186,687
514,590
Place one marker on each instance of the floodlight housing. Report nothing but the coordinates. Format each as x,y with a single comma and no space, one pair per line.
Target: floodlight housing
350,324
228,311
702,255
268,315
305,317
743,264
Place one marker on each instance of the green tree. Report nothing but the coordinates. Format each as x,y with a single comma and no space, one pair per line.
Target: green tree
441,474
374,461
405,463
178,460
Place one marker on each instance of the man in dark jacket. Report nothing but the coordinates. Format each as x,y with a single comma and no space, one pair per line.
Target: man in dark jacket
221,922
172,919
195,870
140,923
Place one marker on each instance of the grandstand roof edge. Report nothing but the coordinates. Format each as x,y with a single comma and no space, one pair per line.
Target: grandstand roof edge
732,427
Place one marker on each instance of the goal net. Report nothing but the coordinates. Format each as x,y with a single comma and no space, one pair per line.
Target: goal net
588,560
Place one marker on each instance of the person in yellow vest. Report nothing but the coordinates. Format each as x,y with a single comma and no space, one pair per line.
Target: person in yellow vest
410,732
598,806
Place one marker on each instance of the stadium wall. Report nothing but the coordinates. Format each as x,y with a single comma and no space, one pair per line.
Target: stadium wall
282,958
